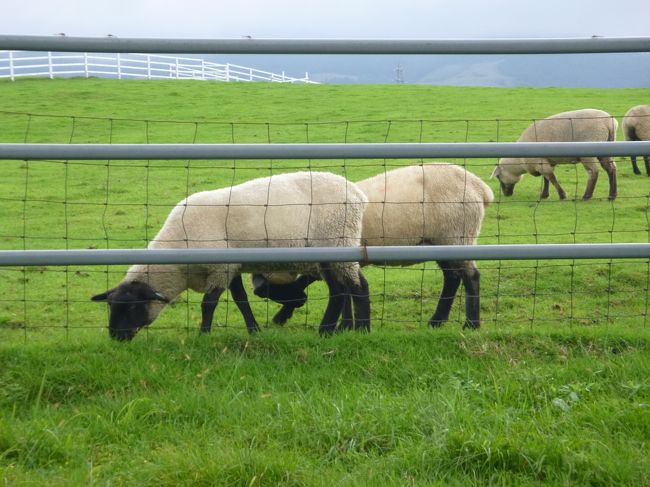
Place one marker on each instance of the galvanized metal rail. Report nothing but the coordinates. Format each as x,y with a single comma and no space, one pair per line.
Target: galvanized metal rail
320,151
326,46
324,254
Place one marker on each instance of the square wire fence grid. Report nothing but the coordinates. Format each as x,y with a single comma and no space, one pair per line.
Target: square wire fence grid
56,204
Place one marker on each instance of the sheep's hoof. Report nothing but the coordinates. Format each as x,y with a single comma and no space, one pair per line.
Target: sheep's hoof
326,332
205,330
363,326
345,324
473,325
436,323
611,197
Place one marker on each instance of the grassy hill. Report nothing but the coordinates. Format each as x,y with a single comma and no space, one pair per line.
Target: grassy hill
553,389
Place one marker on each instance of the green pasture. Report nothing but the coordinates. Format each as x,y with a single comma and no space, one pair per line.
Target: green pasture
553,389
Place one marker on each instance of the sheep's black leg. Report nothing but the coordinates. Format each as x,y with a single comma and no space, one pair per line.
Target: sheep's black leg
241,299
646,160
449,288
361,299
283,315
337,292
610,168
635,167
208,305
544,194
347,318
556,184
472,281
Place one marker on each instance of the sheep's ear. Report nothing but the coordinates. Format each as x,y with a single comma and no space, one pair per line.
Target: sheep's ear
102,296
496,172
151,295
258,280
159,297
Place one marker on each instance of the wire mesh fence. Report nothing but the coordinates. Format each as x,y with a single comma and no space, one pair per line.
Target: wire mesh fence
59,204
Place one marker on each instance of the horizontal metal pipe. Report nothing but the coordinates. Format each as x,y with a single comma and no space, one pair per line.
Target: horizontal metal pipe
324,254
325,46
321,151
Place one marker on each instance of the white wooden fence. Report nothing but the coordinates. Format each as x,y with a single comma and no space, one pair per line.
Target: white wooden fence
15,64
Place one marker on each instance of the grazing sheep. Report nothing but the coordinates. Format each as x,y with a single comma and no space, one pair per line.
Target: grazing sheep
428,204
301,209
636,126
588,125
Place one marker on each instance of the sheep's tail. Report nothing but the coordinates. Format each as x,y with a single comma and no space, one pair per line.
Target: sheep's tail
487,194
612,130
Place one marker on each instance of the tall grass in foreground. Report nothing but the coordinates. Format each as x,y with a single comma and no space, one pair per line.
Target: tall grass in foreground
285,407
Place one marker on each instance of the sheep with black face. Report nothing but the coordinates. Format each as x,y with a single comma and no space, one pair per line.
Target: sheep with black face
304,209
588,125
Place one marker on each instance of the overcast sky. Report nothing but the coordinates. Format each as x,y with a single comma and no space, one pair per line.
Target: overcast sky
327,18
414,19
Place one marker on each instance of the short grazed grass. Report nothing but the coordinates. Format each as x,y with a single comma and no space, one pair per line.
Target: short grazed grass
553,389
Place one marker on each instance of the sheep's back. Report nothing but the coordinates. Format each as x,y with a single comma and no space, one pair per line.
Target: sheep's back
575,126
437,204
288,210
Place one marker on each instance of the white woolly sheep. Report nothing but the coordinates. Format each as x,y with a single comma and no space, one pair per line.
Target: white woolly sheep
587,125
301,209
636,126
428,204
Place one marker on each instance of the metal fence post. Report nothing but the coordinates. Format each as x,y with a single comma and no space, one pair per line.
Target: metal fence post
148,66
86,74
50,69
119,66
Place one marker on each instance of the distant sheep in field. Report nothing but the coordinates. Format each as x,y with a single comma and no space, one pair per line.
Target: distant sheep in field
587,125
428,204
636,126
304,209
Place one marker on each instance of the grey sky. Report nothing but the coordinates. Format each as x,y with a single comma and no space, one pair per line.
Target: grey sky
415,19
328,18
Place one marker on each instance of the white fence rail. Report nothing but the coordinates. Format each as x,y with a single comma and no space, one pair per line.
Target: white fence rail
15,64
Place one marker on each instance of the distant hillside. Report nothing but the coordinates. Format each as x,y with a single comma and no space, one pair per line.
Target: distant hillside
572,70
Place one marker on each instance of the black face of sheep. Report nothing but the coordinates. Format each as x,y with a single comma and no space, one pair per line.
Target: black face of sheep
291,295
129,308
506,189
